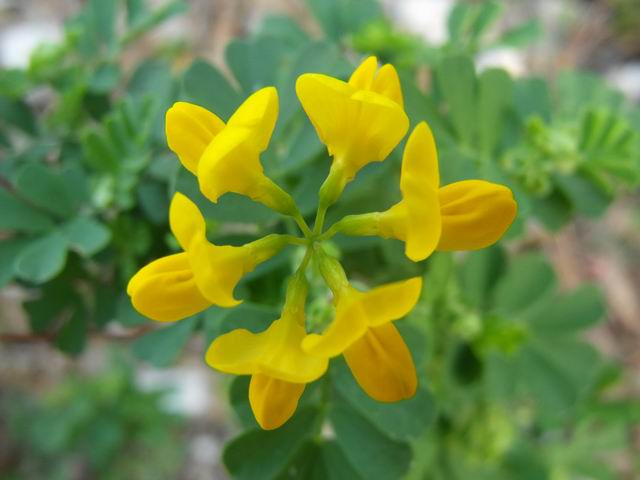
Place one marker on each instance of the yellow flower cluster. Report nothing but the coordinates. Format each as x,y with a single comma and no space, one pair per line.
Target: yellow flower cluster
359,121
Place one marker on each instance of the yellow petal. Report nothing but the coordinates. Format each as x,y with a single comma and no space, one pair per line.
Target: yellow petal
187,223
384,81
218,269
357,126
475,214
276,352
189,129
349,325
258,114
273,401
230,163
419,181
382,365
362,77
165,290
387,83
391,301
357,311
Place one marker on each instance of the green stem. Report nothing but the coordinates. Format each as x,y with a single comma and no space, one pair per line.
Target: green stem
306,231
292,239
319,223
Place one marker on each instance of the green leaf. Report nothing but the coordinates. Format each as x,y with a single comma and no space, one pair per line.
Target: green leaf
531,97
45,189
18,114
72,336
488,13
479,273
126,315
271,452
371,452
521,35
105,79
10,250
284,28
494,97
321,460
458,19
20,217
136,11
339,18
584,195
101,18
86,235
206,86
163,346
568,313
553,211
43,258
456,80
404,420
557,373
528,279
255,63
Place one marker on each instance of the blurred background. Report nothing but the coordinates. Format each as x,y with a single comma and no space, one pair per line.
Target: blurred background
89,389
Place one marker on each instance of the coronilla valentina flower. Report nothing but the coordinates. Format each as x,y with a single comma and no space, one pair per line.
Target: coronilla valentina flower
226,158
466,215
360,121
180,285
278,366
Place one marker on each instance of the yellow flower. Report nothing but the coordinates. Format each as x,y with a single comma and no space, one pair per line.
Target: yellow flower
360,121
374,350
466,215
278,365
226,158
176,286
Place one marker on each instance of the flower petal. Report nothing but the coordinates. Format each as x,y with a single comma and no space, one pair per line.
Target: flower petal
349,325
258,114
187,223
357,126
391,301
165,290
419,182
276,352
189,129
382,364
362,77
387,83
230,163
273,401
475,214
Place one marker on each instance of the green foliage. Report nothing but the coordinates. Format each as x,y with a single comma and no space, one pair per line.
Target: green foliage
367,440
509,387
104,426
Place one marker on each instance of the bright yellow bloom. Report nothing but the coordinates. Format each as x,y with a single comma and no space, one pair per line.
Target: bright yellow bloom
174,287
165,290
360,121
275,359
465,215
361,330
226,158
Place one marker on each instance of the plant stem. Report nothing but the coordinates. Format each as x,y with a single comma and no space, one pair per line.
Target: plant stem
303,225
319,223
296,240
